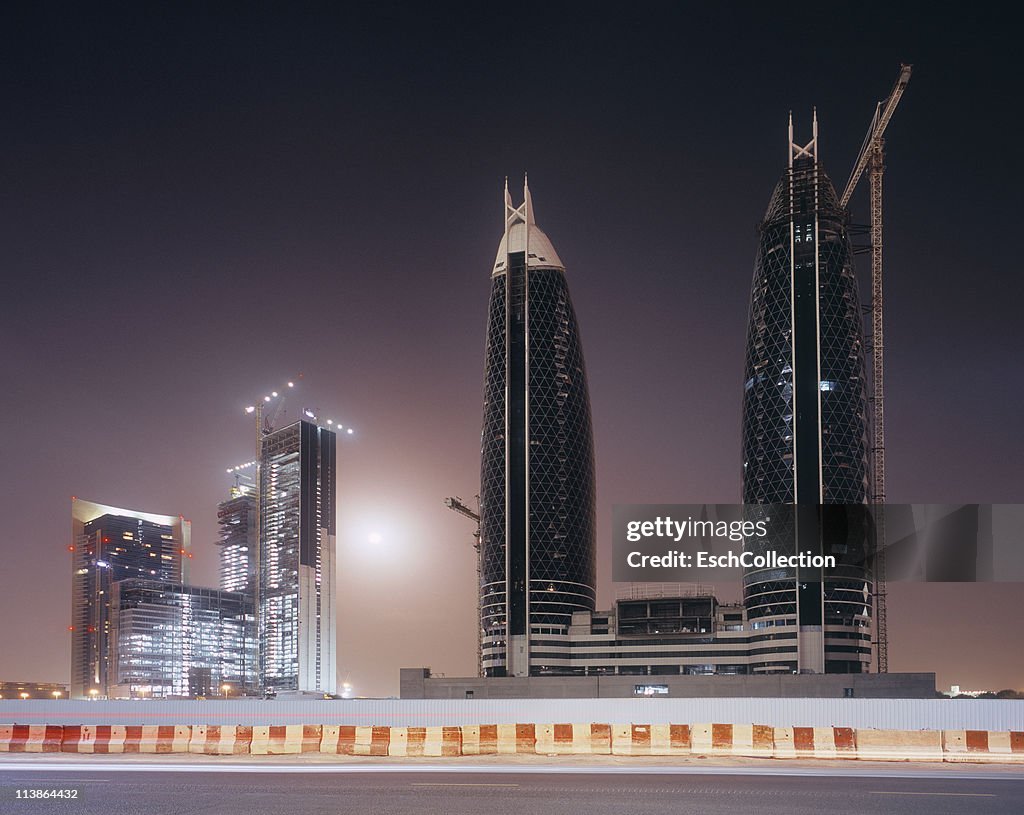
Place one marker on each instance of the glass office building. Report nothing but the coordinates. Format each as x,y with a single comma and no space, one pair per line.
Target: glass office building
173,640
537,454
805,425
296,560
109,544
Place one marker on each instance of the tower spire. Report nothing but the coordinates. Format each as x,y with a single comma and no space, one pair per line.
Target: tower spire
790,141
528,200
814,132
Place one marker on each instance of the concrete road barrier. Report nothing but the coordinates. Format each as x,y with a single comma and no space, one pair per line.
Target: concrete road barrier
350,740
712,739
983,746
899,745
31,738
220,740
285,739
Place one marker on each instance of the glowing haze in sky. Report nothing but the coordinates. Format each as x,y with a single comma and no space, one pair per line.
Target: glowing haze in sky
200,206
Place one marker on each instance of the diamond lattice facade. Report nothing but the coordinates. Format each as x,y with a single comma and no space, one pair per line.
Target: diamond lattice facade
537,455
805,422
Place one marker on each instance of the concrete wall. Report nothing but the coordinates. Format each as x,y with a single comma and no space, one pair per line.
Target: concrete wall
417,684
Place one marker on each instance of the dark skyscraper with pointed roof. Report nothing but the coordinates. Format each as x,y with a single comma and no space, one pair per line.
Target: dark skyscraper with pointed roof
805,421
537,456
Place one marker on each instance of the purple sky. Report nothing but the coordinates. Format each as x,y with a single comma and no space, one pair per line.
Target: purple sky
197,207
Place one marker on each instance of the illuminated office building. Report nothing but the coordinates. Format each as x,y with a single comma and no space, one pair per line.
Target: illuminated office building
173,640
296,560
109,544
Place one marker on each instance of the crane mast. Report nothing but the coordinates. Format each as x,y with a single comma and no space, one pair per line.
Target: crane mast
872,158
456,504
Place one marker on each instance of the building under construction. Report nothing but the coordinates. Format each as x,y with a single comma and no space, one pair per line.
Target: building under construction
295,587
805,426
814,410
813,436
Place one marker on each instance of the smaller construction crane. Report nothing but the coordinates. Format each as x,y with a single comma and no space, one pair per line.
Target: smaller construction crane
456,504
872,154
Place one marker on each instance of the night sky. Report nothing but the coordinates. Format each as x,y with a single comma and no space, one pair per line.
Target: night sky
197,206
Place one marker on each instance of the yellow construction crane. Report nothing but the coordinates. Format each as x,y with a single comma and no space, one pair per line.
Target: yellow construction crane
456,504
872,158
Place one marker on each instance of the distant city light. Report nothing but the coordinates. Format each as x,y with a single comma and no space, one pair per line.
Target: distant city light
291,384
350,430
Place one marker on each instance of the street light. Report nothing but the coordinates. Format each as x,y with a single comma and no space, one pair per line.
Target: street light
93,693
57,694
226,688
24,695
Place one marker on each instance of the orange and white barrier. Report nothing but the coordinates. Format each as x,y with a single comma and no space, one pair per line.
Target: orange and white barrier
750,740
88,738
347,740
983,745
94,738
650,740
425,741
31,738
153,738
571,739
284,739
220,740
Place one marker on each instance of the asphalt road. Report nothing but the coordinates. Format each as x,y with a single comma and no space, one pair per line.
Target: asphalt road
294,790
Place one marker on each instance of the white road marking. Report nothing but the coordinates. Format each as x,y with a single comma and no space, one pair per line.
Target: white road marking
102,766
